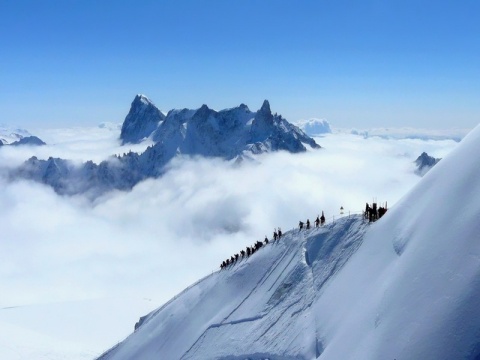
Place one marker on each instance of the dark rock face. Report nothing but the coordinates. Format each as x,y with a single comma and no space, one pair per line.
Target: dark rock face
424,163
142,119
29,140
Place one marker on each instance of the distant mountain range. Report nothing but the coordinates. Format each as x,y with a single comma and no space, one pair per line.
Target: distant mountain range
226,133
16,137
231,134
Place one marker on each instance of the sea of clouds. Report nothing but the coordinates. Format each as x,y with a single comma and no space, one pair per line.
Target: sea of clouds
165,234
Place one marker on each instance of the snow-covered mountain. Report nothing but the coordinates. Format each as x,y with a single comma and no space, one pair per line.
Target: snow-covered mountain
226,133
29,140
17,136
424,163
230,134
9,134
405,287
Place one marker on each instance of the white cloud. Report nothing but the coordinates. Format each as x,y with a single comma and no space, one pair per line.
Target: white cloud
78,144
169,232
410,133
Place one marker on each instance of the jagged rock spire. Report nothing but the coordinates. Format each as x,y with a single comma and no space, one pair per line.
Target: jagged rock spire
265,107
141,121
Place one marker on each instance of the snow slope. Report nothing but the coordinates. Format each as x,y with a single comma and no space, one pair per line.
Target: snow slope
244,310
412,291
406,287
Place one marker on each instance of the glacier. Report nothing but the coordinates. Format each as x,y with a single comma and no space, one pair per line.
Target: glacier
404,287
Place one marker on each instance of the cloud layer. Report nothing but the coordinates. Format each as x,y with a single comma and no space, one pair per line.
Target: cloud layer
167,233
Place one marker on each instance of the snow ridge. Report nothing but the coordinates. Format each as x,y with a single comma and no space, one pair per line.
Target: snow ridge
239,312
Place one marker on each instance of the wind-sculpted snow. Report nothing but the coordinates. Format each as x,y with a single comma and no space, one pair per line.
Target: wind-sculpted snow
228,134
244,311
411,291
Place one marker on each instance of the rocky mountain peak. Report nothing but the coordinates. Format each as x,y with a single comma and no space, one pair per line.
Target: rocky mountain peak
141,121
265,109
140,98
424,163
243,107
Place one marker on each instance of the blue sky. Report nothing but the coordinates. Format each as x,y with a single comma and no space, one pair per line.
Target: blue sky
357,64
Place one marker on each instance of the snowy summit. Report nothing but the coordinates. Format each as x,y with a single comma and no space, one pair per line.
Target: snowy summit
404,287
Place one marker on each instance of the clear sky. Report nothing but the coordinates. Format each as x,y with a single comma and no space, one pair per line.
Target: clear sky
356,63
